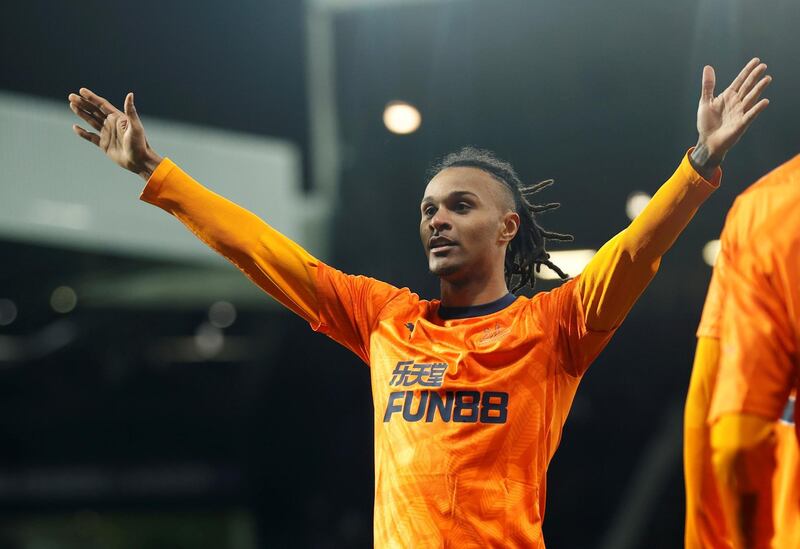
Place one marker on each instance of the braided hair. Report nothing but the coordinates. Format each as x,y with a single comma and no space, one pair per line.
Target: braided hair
526,253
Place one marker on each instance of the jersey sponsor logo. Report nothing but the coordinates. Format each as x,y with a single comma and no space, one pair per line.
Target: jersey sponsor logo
456,406
408,373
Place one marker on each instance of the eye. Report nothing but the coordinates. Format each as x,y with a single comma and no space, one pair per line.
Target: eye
428,210
463,207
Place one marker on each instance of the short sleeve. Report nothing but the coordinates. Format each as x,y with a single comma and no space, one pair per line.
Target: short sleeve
350,307
758,341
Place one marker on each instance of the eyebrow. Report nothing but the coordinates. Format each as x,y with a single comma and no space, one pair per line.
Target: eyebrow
454,194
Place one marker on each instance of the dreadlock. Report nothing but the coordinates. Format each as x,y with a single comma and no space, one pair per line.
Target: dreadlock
526,253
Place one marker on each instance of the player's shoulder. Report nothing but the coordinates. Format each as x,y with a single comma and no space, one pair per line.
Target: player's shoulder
758,202
403,300
779,235
774,247
544,299
774,183
378,294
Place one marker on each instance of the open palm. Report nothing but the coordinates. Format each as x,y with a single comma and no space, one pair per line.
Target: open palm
723,119
121,134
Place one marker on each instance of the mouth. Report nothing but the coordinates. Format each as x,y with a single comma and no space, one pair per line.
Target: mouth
440,244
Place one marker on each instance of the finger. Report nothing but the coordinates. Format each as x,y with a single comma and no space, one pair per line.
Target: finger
85,105
106,134
130,110
86,116
100,102
739,80
709,79
751,80
757,109
755,93
88,136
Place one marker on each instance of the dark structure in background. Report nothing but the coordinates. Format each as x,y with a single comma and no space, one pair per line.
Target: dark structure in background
599,95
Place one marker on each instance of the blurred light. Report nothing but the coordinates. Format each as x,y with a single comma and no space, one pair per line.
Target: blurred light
8,312
710,252
401,117
222,314
61,214
51,338
637,202
11,348
209,340
63,299
572,262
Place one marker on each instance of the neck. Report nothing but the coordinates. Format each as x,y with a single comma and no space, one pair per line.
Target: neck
471,291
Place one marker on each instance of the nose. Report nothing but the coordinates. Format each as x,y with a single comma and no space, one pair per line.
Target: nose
440,222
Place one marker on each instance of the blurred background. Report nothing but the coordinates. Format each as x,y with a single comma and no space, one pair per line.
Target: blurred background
151,397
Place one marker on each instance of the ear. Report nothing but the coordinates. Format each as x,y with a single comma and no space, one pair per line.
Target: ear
510,226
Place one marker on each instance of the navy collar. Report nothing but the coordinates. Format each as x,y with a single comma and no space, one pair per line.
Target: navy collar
449,313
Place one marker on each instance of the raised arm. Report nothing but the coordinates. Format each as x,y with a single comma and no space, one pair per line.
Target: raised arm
623,267
275,263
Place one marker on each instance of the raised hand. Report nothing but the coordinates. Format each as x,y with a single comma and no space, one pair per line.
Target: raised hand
121,134
723,119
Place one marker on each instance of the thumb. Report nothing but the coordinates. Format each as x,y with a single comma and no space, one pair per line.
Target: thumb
130,112
709,79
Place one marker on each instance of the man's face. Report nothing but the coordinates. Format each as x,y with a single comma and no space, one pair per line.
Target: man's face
467,221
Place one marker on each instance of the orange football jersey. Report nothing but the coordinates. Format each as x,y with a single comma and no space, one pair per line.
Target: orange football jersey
759,354
705,522
469,402
760,357
752,207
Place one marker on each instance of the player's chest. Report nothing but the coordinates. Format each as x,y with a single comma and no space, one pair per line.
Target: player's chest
429,374
423,355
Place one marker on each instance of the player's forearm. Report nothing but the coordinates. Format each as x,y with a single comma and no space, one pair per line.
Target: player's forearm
743,456
654,231
622,269
278,265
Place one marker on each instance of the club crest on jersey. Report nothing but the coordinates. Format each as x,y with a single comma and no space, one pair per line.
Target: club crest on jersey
496,333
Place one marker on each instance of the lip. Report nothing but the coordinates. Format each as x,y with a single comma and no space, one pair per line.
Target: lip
437,243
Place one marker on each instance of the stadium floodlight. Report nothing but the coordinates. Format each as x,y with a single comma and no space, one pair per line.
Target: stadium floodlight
636,203
710,252
401,118
8,312
63,299
571,262
222,314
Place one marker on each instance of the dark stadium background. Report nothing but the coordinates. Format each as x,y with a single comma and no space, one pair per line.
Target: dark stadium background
275,449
